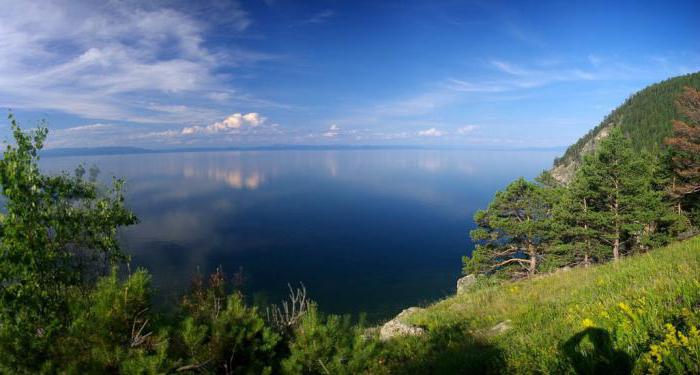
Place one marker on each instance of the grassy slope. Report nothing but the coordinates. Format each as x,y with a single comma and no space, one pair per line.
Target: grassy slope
631,301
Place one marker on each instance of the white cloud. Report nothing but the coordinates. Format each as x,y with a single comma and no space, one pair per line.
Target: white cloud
466,129
320,17
98,134
333,131
432,132
595,60
230,124
87,128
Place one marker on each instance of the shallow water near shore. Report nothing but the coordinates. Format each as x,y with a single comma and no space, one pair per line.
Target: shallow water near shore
371,231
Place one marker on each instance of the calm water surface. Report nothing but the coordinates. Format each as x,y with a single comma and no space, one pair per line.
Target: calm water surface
365,230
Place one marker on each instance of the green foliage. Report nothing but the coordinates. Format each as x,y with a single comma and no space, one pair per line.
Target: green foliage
513,231
645,118
677,353
220,334
329,345
110,330
612,201
449,349
58,234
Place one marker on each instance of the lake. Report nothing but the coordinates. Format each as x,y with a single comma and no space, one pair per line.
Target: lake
371,231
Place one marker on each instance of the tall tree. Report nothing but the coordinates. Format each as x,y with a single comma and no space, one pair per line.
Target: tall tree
684,149
512,231
575,222
614,188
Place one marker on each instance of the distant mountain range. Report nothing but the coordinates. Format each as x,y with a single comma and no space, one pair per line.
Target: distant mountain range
97,151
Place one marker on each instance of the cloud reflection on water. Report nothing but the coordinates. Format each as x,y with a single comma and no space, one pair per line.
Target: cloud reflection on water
370,223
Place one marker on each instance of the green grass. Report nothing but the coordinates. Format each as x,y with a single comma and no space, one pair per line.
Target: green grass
617,310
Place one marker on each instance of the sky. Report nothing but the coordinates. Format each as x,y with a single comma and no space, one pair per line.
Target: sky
177,74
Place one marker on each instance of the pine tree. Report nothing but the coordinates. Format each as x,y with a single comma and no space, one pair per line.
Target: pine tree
513,231
684,150
576,220
614,188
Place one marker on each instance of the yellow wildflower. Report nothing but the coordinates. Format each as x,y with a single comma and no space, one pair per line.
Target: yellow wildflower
586,323
655,353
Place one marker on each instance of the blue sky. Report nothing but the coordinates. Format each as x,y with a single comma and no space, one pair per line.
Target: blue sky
163,74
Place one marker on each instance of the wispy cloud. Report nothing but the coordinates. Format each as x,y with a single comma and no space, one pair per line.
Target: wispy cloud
432,132
102,60
524,35
320,17
517,77
468,129
333,131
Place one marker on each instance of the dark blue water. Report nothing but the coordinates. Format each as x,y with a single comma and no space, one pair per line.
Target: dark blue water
370,231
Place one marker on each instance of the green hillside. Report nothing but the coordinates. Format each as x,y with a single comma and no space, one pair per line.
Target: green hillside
622,309
645,118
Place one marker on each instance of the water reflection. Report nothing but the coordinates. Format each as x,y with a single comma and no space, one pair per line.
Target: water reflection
235,178
366,230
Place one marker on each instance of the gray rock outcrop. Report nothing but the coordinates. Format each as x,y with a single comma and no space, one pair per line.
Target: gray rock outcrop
465,283
398,327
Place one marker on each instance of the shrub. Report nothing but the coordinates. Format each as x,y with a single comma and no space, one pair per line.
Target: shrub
329,345
220,334
110,330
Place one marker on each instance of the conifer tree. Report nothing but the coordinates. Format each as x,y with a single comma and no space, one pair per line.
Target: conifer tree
513,231
618,205
684,150
575,221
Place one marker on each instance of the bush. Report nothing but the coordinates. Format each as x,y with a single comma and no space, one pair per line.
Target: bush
329,345
110,330
219,334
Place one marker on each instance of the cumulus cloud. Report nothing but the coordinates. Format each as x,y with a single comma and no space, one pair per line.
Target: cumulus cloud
232,123
432,132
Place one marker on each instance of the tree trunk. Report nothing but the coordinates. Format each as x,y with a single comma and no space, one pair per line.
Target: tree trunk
616,245
673,191
533,260
586,261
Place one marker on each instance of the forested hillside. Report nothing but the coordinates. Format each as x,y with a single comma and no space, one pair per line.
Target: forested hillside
645,118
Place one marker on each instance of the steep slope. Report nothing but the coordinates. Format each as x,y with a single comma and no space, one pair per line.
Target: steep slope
534,325
645,118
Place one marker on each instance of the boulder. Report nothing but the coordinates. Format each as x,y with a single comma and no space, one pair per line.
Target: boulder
465,283
397,327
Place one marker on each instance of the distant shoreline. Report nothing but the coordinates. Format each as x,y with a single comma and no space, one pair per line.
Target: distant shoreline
105,151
